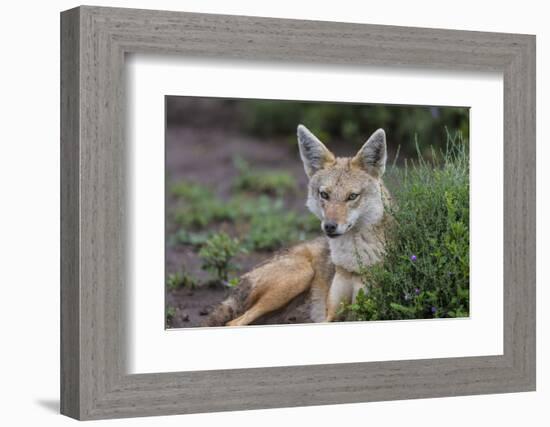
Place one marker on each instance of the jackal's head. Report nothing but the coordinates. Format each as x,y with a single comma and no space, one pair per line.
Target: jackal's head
344,192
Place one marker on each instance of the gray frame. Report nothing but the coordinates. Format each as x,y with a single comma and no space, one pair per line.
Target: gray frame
94,41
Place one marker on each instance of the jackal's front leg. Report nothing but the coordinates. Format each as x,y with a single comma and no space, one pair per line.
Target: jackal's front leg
344,289
341,291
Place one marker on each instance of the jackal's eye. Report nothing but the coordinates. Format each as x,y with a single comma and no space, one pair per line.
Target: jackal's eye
353,196
324,195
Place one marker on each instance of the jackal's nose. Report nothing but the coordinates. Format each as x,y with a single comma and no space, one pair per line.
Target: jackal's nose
330,227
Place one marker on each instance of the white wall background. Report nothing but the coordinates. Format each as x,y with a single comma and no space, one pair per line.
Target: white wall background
29,212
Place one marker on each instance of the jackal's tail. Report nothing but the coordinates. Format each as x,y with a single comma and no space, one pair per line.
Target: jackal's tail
232,307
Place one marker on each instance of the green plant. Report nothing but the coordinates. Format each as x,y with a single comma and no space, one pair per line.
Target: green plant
201,213
184,237
262,181
269,117
174,280
170,314
425,272
179,280
309,223
269,232
271,225
190,191
233,282
265,221
216,255
244,207
353,122
267,224
198,206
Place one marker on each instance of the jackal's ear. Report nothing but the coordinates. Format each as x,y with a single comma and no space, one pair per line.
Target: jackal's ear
313,152
372,156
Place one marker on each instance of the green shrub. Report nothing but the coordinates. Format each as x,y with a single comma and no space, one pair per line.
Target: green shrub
184,237
198,206
202,213
234,281
270,225
216,255
263,221
174,280
309,224
190,191
170,314
270,117
179,280
354,122
245,208
262,181
272,231
425,272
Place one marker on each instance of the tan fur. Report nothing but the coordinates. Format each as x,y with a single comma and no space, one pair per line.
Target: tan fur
343,290
337,212
327,268
275,283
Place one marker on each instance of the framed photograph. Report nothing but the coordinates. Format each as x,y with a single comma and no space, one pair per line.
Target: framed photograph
251,196
261,213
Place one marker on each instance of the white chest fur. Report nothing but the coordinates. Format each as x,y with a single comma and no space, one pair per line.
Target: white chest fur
350,251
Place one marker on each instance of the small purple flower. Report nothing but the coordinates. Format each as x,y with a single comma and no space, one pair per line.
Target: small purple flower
434,310
416,291
413,257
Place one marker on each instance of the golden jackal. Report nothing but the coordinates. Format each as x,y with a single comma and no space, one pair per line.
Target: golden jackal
349,197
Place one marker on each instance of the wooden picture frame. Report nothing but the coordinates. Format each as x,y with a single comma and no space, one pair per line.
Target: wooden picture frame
94,41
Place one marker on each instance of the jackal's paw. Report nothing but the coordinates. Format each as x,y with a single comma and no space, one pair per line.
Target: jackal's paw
234,322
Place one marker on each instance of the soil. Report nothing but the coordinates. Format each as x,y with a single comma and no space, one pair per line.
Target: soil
192,307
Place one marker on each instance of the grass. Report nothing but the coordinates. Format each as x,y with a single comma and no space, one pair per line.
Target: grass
272,182
179,280
190,191
191,238
425,273
255,215
170,314
352,122
217,253
270,225
198,206
272,230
